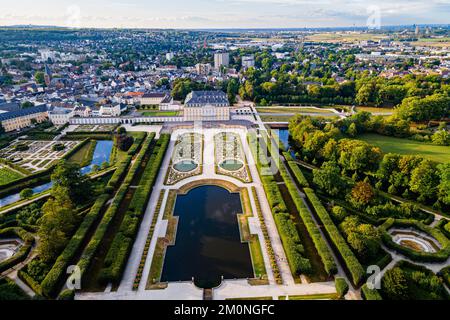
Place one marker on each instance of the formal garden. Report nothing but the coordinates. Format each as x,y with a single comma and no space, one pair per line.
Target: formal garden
230,158
187,158
85,220
34,156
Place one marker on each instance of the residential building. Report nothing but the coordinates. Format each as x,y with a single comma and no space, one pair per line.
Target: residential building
203,68
221,59
248,61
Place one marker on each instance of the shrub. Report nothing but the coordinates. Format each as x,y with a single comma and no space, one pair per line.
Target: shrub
67,295
54,277
58,147
370,294
351,262
313,230
341,287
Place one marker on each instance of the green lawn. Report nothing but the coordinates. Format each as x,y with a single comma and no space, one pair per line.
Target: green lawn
7,175
160,113
405,146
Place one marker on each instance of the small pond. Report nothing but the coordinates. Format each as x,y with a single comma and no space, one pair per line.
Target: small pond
208,242
185,166
8,248
231,165
101,154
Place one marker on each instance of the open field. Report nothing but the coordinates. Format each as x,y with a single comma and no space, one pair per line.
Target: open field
405,146
432,42
290,110
336,37
375,110
288,118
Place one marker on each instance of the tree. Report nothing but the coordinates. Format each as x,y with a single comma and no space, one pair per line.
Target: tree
26,193
395,285
444,185
68,177
328,178
56,224
441,138
39,77
424,180
364,239
124,142
27,104
352,131
362,194
121,130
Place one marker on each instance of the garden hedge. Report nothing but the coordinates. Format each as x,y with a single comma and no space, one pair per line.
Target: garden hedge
296,171
370,294
93,245
341,286
33,284
51,283
353,265
440,256
23,252
138,140
292,244
286,227
123,242
319,243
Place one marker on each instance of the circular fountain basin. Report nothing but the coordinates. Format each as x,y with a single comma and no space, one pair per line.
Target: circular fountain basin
415,240
8,249
185,166
231,165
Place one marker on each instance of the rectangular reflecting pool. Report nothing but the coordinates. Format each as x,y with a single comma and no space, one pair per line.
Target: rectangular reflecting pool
208,243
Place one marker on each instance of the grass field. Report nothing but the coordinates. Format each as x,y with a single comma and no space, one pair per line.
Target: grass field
288,118
405,146
290,110
334,37
7,175
375,110
84,156
160,113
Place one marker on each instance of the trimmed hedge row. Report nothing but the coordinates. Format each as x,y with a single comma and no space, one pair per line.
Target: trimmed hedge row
319,243
23,252
440,256
138,140
286,227
296,171
354,267
292,244
51,282
93,245
123,242
370,294
29,281
84,135
120,172
341,286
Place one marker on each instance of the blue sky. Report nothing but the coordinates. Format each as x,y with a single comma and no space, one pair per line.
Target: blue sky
221,13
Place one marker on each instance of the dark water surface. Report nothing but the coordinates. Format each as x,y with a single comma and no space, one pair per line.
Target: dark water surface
208,243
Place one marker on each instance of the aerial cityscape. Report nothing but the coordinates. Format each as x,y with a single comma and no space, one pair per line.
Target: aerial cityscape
209,159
